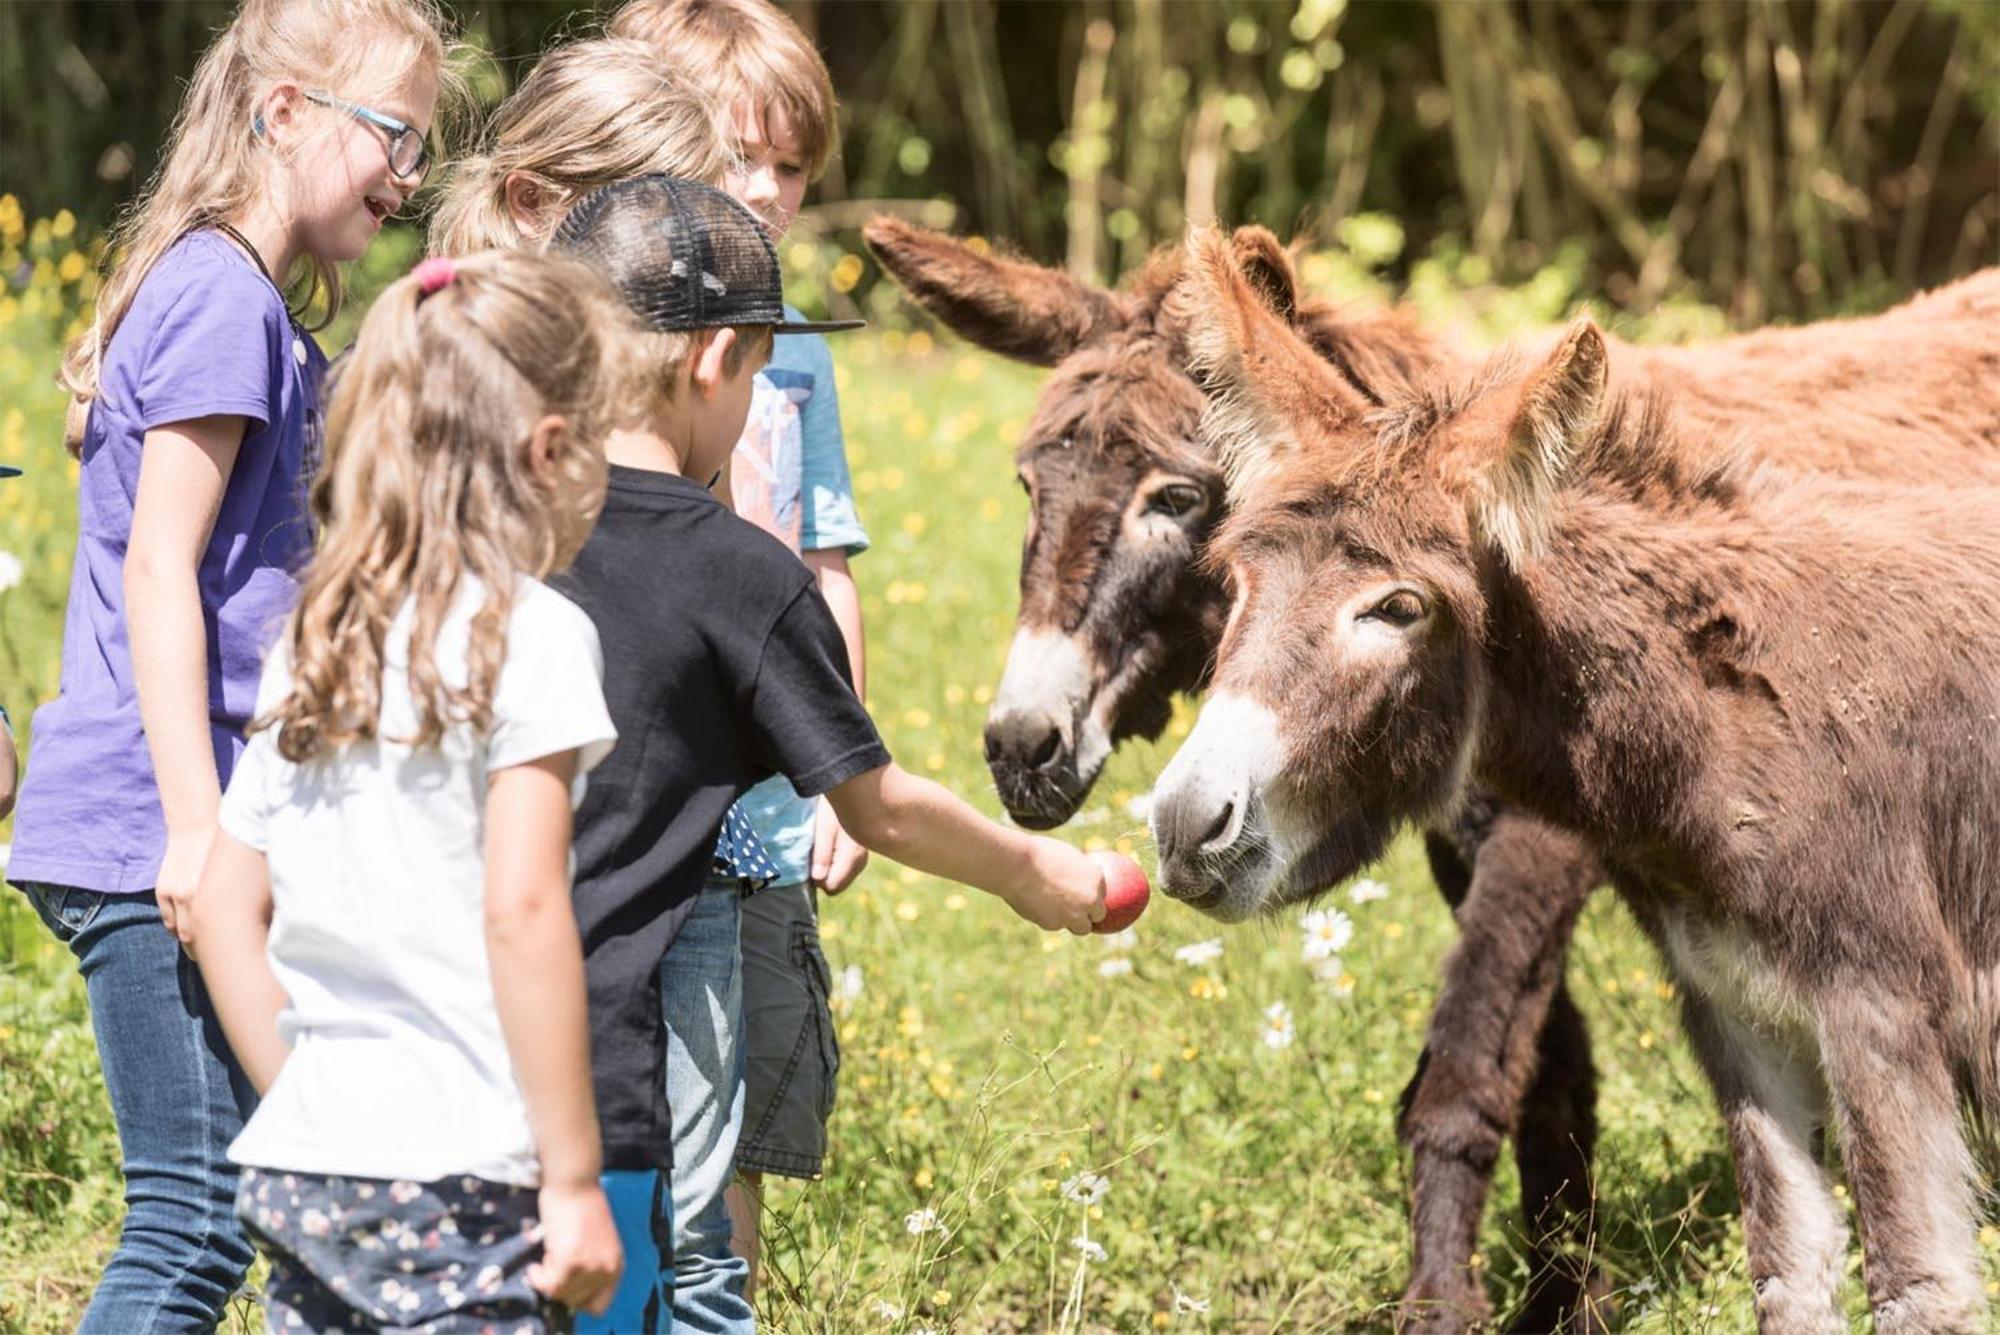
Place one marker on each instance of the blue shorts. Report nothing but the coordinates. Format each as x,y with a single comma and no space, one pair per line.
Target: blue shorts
643,1209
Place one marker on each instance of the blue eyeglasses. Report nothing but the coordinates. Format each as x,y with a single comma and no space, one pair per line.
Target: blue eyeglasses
409,154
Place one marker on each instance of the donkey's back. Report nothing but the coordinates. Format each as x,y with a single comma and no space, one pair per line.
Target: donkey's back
1816,396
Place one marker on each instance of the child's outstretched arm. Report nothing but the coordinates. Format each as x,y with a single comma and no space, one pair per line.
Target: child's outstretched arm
537,963
227,926
922,825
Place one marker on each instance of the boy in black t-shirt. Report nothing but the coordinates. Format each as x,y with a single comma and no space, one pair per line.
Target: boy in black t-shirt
722,667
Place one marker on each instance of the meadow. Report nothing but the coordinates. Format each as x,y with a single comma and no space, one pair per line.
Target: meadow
1184,1127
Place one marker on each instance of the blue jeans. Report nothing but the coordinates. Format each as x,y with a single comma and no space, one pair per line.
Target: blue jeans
701,1000
179,1099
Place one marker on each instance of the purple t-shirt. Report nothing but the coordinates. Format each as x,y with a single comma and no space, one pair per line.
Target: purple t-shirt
206,334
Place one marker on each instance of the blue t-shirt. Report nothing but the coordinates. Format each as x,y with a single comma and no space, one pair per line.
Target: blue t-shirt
789,477
206,334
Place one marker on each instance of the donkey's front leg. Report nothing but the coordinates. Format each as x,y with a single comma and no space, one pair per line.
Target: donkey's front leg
1484,1050
1905,1154
1773,1105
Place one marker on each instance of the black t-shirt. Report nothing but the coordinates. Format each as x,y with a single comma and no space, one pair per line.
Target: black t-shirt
722,667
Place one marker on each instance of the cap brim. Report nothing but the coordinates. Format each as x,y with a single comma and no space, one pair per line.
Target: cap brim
8,470
817,326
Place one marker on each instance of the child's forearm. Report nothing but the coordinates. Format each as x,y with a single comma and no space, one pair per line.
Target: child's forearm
922,825
537,963
170,670
231,931
536,960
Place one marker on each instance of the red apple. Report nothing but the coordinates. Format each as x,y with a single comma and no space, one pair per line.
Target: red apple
1125,891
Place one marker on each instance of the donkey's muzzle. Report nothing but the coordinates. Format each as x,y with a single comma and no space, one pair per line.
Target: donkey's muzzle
1034,767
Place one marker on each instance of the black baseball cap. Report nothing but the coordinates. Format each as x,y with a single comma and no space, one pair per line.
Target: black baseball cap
8,470
684,256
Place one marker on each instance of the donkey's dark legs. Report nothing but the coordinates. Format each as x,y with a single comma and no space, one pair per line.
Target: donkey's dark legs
1490,1053
1555,1141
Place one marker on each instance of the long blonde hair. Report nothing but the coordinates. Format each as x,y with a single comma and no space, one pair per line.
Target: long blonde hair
589,114
214,165
429,481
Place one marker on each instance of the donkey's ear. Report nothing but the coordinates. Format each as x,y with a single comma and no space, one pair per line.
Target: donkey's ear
1560,402
1268,267
1268,392
1013,307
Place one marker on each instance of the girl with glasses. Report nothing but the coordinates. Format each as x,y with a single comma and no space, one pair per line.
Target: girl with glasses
195,394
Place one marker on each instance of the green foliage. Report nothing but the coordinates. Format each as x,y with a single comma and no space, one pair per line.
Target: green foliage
1766,158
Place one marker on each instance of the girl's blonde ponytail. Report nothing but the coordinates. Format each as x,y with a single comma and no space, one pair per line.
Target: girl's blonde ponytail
428,483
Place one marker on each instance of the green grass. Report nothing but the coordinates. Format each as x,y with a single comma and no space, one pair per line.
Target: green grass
986,1064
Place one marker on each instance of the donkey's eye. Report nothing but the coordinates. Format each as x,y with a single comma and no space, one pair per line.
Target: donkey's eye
1401,608
1176,500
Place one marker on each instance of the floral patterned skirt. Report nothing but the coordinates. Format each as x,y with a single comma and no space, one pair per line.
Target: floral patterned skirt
352,1254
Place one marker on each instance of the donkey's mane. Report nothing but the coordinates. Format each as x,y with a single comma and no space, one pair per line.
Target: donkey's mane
1637,444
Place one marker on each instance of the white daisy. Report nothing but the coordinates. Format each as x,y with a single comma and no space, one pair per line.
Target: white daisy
1086,1188
1092,1252
847,987
1120,942
1277,1025
1327,933
885,1310
920,1222
1115,967
1187,1304
1201,953
11,571
1365,891
1140,807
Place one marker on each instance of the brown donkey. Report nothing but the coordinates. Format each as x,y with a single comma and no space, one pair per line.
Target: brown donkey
1771,699
1117,614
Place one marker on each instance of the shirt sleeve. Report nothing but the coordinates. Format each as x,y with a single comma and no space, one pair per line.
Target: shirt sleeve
551,693
245,813
214,348
830,518
808,724
248,801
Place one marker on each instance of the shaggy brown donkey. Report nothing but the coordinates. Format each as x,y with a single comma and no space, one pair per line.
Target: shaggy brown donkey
1117,615
1772,700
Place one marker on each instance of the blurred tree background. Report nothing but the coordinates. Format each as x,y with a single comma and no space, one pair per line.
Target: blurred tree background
1771,157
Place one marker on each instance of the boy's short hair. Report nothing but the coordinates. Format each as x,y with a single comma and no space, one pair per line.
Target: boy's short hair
750,49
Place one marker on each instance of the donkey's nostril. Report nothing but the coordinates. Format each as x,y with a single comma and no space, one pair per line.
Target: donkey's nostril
1045,750
1217,828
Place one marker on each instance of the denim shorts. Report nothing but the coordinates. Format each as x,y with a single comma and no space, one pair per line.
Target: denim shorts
791,1055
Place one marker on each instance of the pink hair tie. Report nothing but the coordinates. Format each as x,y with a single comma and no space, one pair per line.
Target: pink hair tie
435,273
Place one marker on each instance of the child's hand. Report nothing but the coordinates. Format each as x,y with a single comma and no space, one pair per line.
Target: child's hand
581,1255
1065,889
180,877
836,858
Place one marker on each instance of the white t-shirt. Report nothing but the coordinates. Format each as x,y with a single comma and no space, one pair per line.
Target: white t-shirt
398,1066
